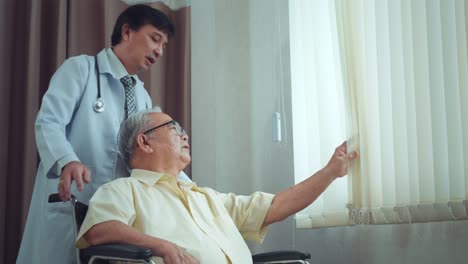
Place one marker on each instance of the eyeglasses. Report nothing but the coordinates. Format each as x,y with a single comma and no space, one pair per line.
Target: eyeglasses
176,125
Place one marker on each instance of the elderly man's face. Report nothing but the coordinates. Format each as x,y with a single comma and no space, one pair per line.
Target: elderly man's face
169,143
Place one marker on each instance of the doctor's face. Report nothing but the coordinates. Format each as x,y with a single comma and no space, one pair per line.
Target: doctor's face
142,47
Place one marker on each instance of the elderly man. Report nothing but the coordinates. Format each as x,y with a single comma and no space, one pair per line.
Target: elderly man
179,221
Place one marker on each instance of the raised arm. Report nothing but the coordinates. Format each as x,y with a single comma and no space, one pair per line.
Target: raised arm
299,196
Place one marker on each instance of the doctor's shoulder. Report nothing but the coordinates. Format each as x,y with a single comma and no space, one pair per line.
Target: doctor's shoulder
76,67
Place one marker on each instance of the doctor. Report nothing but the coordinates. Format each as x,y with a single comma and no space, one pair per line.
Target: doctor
77,126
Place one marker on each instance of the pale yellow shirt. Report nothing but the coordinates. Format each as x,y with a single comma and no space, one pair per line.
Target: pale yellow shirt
211,226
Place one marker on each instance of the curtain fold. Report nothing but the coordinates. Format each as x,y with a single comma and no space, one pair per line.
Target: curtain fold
40,36
405,66
402,67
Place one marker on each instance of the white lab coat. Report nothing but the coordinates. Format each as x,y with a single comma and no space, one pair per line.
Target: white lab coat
68,127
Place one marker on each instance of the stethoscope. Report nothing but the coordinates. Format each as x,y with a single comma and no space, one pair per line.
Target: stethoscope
98,105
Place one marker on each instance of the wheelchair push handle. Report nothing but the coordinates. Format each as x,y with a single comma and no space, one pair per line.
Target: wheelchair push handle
55,198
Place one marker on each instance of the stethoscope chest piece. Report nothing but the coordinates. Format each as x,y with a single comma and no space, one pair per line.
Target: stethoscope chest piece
98,105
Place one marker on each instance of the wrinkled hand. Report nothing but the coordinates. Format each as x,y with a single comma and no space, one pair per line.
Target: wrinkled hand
174,254
73,171
339,162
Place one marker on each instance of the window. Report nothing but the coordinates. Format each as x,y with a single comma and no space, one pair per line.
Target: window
391,76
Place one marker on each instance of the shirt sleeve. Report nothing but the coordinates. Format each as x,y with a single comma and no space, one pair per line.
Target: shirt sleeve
112,201
58,106
248,213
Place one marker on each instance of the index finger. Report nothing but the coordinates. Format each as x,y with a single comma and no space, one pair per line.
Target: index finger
64,187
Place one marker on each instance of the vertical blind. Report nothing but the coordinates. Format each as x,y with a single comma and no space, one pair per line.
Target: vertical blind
403,68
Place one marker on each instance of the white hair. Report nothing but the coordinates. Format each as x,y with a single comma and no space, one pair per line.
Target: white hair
130,129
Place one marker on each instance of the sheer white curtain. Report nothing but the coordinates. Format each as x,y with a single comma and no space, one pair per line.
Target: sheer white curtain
405,78
318,106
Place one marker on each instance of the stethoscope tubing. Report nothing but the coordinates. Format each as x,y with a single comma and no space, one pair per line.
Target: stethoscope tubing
98,105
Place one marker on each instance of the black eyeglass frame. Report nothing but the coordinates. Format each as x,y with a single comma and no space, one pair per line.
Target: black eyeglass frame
177,126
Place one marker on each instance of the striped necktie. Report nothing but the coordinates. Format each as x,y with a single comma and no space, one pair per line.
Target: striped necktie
130,106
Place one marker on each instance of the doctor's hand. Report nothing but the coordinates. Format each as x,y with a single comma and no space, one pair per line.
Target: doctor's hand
73,171
339,162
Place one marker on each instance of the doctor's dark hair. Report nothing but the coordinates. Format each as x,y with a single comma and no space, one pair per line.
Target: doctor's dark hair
130,129
137,16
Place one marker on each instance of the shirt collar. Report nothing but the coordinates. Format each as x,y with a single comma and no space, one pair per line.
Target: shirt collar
116,66
152,177
146,176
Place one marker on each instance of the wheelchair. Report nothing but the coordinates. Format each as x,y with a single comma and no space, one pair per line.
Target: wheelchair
126,252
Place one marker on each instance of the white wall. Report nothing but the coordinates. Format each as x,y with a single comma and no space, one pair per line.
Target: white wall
235,90
237,54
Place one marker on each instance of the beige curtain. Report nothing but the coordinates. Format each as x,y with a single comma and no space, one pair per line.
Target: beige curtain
37,36
402,69
405,63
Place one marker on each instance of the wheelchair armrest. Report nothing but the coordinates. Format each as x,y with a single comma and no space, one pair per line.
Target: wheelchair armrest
280,255
121,251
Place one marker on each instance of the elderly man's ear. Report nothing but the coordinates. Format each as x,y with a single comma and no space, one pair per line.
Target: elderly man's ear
143,144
